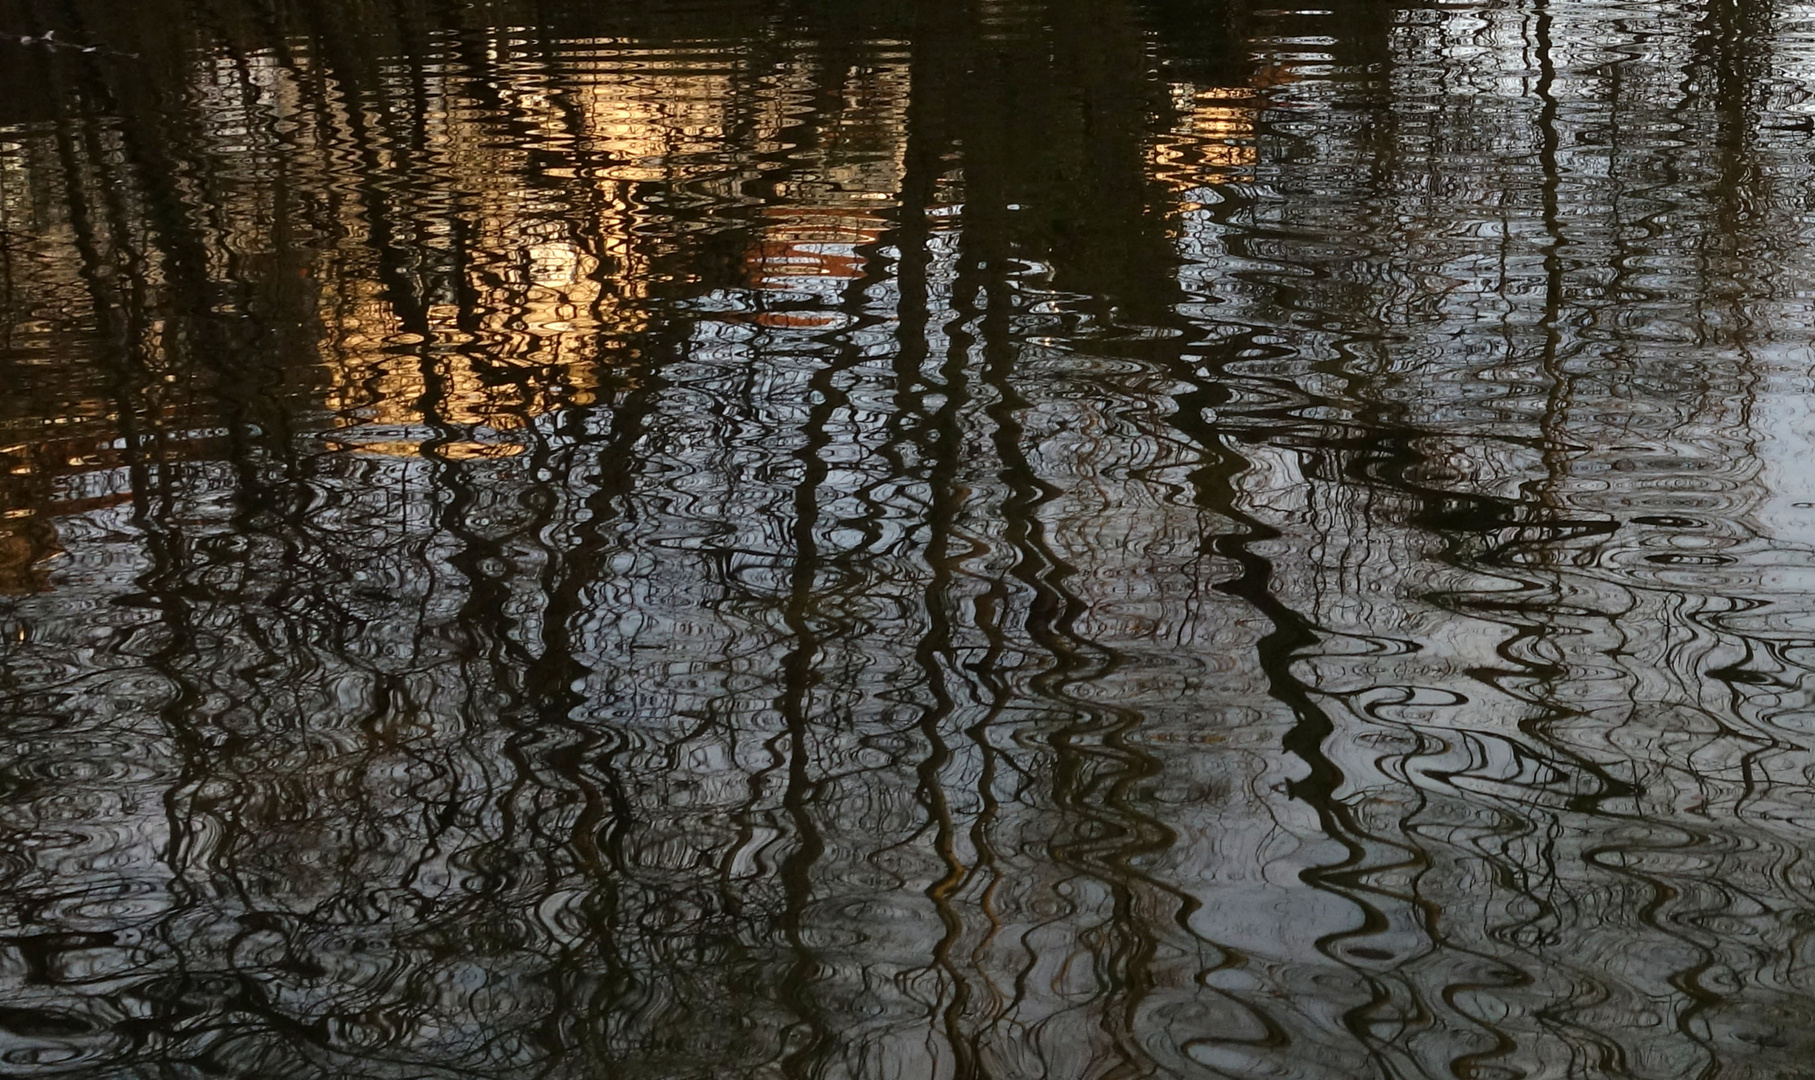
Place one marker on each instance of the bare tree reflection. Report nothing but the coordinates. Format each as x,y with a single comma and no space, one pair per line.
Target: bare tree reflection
957,538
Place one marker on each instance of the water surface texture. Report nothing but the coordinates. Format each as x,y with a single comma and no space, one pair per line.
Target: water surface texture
907,540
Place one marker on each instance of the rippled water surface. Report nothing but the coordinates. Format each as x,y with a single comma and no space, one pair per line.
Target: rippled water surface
907,540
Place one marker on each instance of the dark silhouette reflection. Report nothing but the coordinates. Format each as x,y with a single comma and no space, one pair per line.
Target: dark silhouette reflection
939,538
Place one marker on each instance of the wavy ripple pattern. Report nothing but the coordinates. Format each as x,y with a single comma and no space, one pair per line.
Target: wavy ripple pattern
1029,539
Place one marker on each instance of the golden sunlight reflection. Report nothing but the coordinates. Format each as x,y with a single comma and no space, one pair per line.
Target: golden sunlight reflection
1213,136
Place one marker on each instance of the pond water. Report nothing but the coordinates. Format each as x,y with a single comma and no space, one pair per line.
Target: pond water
913,540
